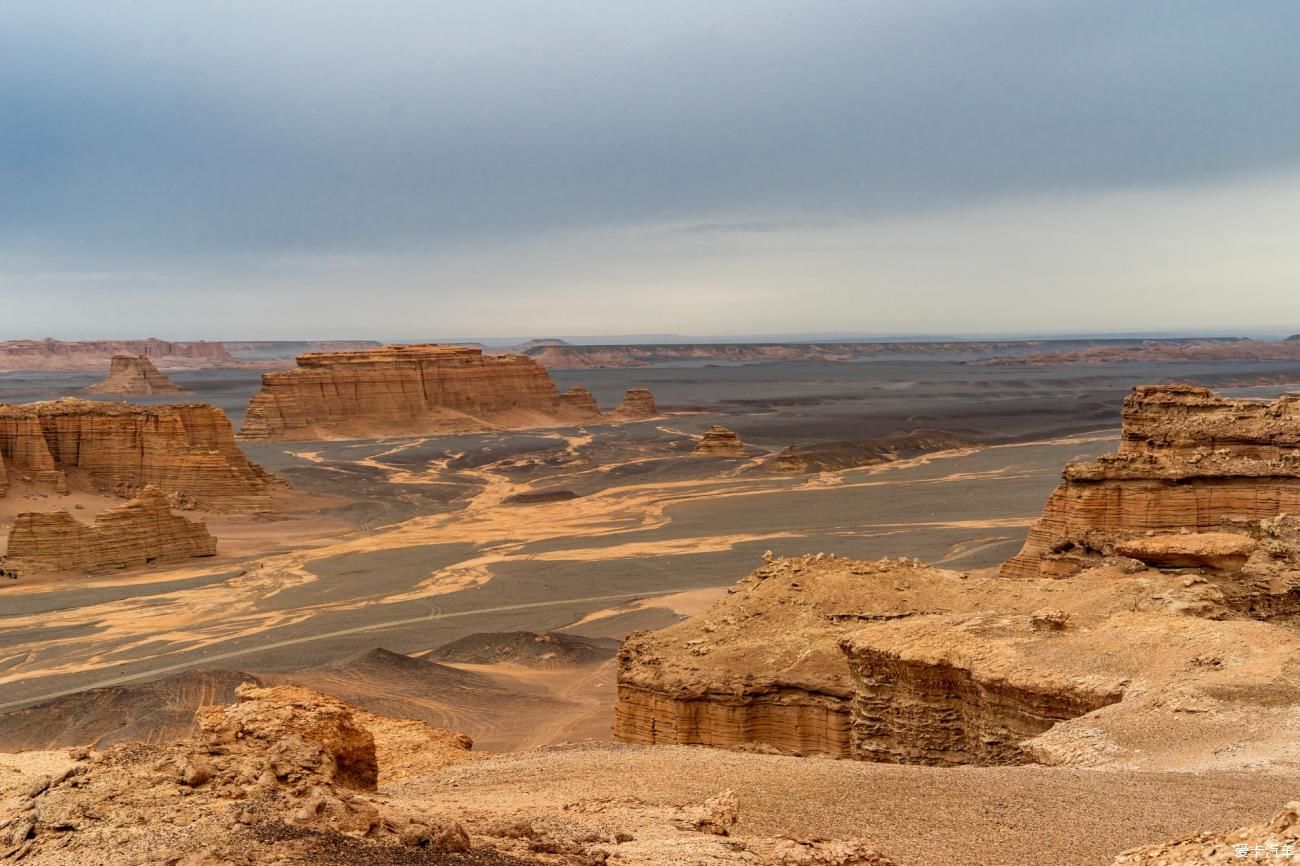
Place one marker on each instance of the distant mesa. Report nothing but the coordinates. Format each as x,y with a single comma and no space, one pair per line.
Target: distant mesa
140,532
134,375
718,441
410,390
187,449
50,354
526,648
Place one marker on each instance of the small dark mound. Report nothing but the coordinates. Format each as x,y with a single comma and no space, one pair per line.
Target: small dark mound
379,665
148,712
527,648
834,456
540,496
1293,337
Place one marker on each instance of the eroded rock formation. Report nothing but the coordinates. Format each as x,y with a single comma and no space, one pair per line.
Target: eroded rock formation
967,689
718,441
410,390
637,403
140,532
134,375
187,449
1275,841
1188,459
763,667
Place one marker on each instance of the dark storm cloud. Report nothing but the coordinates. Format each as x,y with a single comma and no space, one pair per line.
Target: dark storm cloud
180,131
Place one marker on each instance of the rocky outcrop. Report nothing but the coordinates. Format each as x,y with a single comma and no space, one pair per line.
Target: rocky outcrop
578,405
1275,841
898,662
409,390
95,354
720,442
1188,459
186,449
763,668
140,532
638,403
136,376
283,776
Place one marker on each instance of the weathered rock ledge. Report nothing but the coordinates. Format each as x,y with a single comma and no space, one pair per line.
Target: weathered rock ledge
1188,460
186,449
140,532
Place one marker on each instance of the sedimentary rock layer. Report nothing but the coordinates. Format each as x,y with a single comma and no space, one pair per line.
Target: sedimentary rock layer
966,689
1188,459
720,442
409,390
637,403
763,667
95,354
187,449
140,532
134,375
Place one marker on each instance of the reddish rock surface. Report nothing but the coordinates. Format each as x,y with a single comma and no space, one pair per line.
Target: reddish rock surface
187,449
134,375
409,390
140,532
1188,459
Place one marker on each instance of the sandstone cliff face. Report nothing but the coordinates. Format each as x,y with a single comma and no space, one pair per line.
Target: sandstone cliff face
187,449
720,442
1188,459
134,375
409,390
965,689
143,531
763,667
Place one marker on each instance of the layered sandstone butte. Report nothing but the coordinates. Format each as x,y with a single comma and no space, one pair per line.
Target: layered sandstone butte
1188,460
720,442
140,532
419,389
638,403
135,376
187,449
95,354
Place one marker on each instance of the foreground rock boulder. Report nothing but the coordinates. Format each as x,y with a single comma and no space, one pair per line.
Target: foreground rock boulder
187,449
415,389
283,776
134,375
143,531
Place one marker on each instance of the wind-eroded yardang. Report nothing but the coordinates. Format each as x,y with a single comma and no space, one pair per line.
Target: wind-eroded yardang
411,389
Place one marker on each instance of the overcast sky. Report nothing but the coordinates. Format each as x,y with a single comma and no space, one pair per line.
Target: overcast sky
506,168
